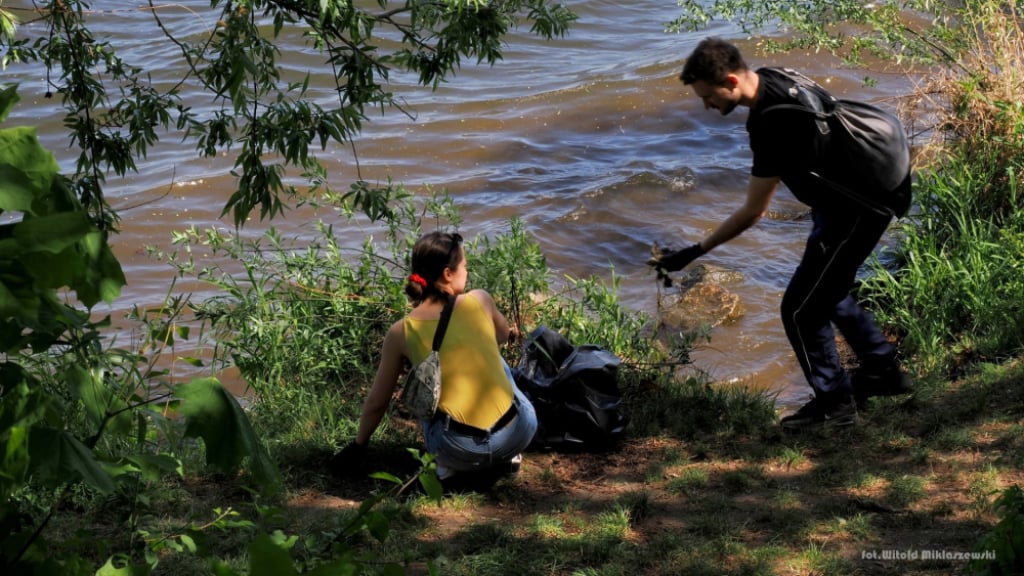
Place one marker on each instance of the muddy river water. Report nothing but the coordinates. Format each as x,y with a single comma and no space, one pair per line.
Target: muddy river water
589,139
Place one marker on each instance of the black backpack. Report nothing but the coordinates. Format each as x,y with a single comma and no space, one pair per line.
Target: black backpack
575,392
864,153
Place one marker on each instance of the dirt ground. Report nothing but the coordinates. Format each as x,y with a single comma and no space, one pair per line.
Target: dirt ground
803,492
775,490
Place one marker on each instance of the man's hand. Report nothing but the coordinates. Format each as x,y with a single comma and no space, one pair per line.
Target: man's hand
664,261
674,260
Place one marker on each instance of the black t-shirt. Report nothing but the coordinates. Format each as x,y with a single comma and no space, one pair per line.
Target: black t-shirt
784,143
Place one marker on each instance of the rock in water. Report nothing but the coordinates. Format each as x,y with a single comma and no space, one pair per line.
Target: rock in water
699,297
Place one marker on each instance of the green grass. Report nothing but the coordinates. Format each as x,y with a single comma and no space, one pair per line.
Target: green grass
690,479
726,503
704,484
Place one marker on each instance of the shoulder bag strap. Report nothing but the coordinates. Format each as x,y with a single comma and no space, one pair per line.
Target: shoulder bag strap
442,325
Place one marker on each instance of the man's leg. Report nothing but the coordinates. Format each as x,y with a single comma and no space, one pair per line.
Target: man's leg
879,373
858,326
836,248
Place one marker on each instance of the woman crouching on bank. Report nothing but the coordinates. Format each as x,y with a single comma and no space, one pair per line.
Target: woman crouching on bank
483,422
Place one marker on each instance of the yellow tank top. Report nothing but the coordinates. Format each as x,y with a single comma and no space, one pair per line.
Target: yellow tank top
474,387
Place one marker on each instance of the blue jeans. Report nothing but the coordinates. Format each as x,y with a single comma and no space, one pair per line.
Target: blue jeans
464,453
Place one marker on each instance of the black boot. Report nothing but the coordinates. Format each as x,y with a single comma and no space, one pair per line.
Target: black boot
886,381
824,410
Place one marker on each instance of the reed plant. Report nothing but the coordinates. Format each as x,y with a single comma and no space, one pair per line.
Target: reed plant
303,322
955,295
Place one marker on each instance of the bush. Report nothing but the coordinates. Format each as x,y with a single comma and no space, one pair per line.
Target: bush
1005,541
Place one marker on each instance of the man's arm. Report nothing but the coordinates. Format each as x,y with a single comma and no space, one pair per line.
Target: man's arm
759,196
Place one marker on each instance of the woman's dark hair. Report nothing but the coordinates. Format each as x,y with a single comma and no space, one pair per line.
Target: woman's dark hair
431,255
712,61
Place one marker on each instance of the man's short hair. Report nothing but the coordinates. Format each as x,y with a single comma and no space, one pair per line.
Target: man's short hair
711,61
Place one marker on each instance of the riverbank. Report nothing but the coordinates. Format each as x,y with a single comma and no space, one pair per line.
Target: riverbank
909,490
917,477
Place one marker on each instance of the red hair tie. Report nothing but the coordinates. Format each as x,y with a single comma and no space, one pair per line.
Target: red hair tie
416,278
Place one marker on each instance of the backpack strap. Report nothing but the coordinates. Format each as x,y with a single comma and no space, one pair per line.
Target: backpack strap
442,325
809,93
873,205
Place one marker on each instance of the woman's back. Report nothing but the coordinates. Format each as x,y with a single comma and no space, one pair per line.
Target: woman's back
475,389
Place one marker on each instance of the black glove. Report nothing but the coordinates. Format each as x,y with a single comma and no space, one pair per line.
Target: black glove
665,261
349,461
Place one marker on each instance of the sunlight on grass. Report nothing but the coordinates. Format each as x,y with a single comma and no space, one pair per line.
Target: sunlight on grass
899,441
857,527
790,457
460,502
689,479
904,490
722,556
547,526
818,561
636,505
673,455
983,487
610,525
868,481
1012,442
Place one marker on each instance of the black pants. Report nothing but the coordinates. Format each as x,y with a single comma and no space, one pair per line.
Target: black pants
818,297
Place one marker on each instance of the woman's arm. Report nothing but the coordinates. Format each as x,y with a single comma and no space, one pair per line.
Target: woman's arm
377,401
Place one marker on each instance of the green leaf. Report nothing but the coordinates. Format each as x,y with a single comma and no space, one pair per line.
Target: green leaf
188,542
98,399
387,477
11,306
58,457
155,466
104,279
433,487
109,569
27,169
8,98
15,461
22,403
20,407
51,271
378,525
118,469
213,414
93,395
266,558
54,232
221,568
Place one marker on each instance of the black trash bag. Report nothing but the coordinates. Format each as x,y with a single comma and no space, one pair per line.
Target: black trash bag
574,391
